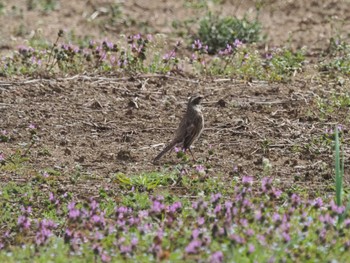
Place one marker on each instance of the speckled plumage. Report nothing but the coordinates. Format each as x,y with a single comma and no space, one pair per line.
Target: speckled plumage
190,127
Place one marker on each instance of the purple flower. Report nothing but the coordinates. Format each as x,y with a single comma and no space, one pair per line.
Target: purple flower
23,222
251,248
112,60
317,203
103,56
6,234
71,205
346,244
237,43
249,232
217,209
175,207
143,214
145,228
2,157
93,205
98,219
228,205
215,198
337,209
169,56
122,63
201,221
327,219
31,126
51,197
276,218
197,45
258,215
134,241
125,249
68,234
244,222
177,149
216,257
194,57
238,239
120,211
74,214
261,239
295,200
235,169
195,233
105,257
97,249
137,36
227,51
133,221
26,211
268,56
44,231
266,184
247,203
286,237
157,207
247,180
200,168
276,193
347,223
193,246
108,44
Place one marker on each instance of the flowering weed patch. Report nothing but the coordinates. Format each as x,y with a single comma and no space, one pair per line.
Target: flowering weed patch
257,222
152,54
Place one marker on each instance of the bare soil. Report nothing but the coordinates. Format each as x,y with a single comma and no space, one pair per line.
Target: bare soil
104,125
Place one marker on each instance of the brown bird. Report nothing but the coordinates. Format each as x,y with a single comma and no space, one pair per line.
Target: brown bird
190,127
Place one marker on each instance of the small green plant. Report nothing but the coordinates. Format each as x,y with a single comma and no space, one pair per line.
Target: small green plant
337,60
283,63
333,104
339,175
146,181
217,32
2,7
43,5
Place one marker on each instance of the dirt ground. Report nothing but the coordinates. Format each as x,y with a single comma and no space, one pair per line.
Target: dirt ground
299,23
93,123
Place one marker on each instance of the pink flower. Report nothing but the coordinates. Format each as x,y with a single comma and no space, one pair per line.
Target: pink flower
247,180
200,168
251,248
216,257
237,43
193,246
201,221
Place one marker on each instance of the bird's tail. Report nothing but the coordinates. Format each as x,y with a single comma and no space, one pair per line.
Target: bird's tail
166,149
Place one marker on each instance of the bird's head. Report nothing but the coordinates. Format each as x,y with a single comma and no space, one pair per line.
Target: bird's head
195,100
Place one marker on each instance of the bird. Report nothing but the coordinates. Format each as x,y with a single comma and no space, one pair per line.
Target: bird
189,129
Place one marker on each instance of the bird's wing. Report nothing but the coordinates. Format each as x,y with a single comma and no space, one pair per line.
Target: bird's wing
189,136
